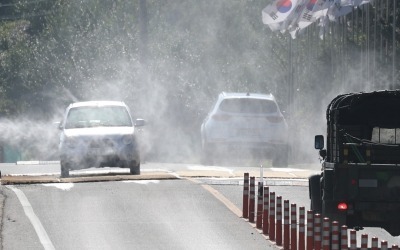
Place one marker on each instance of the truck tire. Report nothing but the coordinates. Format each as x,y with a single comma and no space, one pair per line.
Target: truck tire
314,185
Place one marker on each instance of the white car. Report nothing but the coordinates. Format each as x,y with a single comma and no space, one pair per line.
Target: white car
98,134
245,122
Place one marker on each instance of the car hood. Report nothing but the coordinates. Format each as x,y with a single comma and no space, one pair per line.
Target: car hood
99,131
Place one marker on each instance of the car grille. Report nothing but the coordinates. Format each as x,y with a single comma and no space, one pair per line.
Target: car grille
101,143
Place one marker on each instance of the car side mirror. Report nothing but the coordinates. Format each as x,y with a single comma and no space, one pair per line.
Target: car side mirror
139,122
319,142
58,125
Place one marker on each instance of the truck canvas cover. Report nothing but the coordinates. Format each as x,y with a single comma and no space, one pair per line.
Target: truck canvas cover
362,161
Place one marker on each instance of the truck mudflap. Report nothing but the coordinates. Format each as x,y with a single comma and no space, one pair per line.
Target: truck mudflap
382,211
384,215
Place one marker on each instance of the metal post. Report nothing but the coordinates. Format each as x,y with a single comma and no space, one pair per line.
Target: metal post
246,196
252,199
260,206
266,210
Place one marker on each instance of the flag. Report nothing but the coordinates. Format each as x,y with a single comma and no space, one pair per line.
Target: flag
307,16
295,15
360,2
321,8
338,10
278,11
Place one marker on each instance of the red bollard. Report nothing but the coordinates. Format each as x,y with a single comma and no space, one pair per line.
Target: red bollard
293,227
374,243
302,228
353,239
364,242
259,205
266,210
272,216
343,238
286,225
310,230
278,221
252,201
326,229
384,245
317,232
246,196
395,247
335,236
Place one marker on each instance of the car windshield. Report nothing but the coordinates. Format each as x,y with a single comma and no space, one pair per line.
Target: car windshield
247,105
104,116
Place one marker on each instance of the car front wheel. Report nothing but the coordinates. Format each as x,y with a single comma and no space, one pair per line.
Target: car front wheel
134,168
64,170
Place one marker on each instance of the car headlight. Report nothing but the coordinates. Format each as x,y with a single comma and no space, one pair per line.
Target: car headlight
127,139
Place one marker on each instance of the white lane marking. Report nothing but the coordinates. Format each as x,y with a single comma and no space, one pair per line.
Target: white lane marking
40,231
62,186
288,170
143,182
195,167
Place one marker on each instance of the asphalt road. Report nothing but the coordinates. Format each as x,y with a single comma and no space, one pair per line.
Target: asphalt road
131,214
66,209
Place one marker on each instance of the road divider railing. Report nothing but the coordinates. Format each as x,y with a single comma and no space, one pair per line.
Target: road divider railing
309,232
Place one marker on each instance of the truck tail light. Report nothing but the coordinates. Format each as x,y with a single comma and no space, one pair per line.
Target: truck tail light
342,206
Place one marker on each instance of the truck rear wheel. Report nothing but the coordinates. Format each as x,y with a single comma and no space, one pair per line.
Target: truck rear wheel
314,186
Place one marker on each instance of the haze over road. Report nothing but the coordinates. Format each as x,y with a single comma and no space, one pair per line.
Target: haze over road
169,214
150,213
133,214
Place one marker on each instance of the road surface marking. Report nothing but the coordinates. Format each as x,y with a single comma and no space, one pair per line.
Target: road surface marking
143,182
40,231
223,199
62,186
203,168
220,197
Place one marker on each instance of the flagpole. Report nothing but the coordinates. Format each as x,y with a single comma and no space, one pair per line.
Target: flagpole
394,46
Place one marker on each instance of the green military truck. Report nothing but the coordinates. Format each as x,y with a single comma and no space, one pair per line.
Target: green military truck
359,184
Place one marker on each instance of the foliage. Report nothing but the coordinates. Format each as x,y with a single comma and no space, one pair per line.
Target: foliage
169,59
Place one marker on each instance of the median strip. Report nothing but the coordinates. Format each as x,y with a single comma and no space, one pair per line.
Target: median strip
40,179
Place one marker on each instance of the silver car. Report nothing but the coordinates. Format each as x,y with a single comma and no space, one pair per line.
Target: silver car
245,122
98,134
